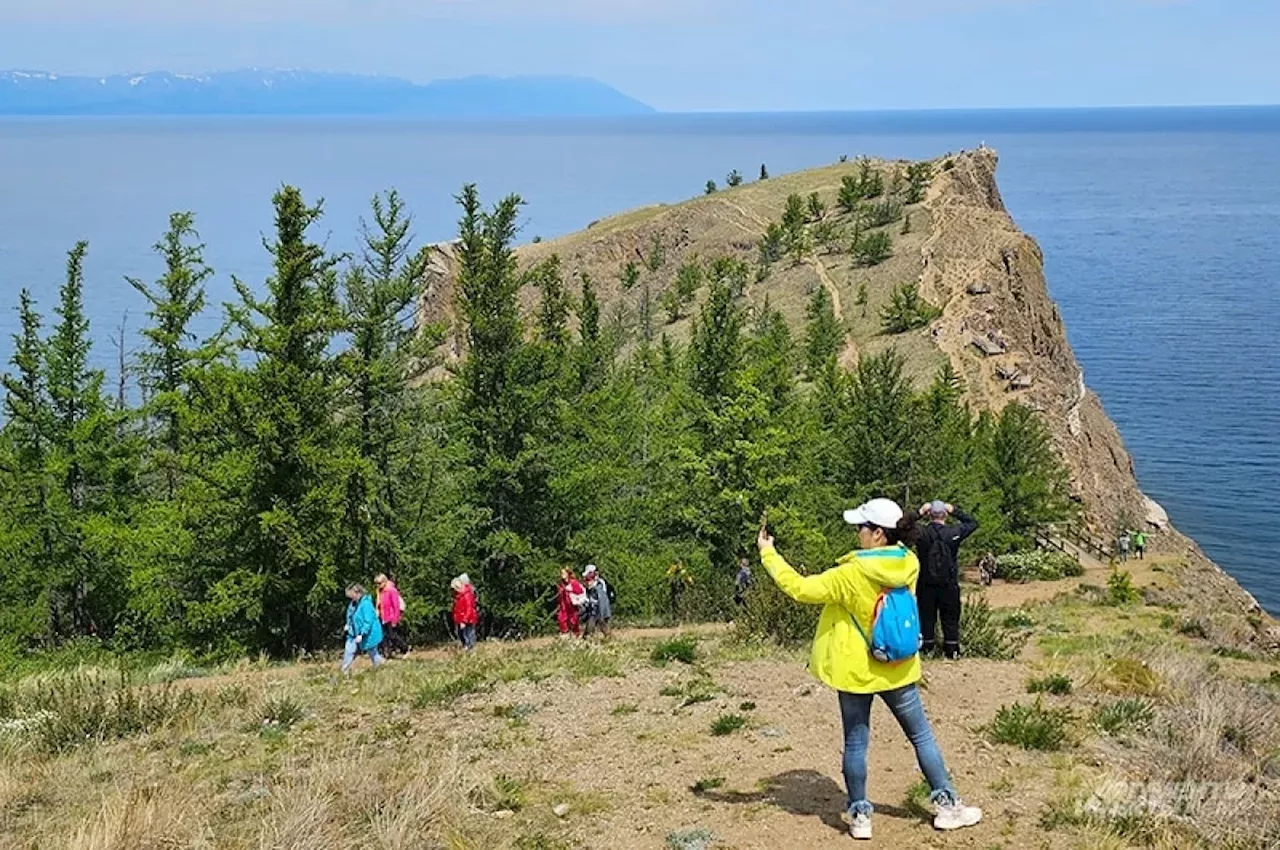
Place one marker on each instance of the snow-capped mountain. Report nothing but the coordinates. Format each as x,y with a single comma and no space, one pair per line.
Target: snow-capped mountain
290,92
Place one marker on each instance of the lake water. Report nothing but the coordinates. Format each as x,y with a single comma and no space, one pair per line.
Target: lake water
1161,231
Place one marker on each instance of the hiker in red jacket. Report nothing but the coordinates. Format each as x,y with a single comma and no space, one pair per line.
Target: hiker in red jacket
390,607
465,613
570,596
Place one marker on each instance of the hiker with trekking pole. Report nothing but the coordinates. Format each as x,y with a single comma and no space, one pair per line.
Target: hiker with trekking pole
867,643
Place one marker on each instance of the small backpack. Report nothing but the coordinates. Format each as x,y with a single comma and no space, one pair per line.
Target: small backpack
895,627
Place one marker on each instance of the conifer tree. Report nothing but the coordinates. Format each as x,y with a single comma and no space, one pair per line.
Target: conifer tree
176,299
824,336
284,584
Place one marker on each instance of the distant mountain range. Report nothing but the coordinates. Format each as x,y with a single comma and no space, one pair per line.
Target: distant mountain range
255,92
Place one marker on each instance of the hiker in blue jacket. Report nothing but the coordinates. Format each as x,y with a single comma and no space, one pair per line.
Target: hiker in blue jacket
364,632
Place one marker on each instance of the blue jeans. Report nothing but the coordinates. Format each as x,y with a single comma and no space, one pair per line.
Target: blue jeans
467,634
855,713
349,655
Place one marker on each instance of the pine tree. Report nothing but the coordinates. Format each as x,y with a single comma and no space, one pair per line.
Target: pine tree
710,188
716,348
824,336
284,583
1024,473
386,351
592,355
554,308
861,300
31,602
734,179
764,172
176,299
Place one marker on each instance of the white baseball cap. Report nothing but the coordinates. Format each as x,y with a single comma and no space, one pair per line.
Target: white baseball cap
591,568
882,512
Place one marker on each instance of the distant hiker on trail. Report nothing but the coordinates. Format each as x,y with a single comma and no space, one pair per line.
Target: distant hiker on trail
742,582
363,632
1140,545
938,589
571,598
390,608
466,614
678,581
851,639
987,568
1122,546
599,601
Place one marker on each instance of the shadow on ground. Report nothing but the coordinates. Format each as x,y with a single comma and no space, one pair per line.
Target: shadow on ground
806,793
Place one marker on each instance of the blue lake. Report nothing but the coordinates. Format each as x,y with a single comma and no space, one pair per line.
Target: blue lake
1160,231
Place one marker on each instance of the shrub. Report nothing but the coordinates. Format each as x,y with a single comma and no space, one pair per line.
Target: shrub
1031,727
1037,565
1055,684
771,615
880,213
708,784
982,636
747,706
1019,620
872,249
733,179
1124,715
727,724
282,712
710,188
690,839
1193,628
70,711
1128,675
1120,589
683,648
906,309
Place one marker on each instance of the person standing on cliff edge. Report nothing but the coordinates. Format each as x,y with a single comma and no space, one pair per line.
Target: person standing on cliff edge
938,587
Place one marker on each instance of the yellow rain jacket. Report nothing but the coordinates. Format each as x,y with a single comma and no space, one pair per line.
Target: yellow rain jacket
841,658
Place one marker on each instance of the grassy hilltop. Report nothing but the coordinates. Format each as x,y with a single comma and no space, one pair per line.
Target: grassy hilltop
1097,725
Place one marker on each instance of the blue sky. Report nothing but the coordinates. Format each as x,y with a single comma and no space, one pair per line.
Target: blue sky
700,54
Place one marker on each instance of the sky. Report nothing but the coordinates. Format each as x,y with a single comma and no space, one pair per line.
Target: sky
682,55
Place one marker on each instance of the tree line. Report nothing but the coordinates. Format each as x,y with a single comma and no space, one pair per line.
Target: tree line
317,439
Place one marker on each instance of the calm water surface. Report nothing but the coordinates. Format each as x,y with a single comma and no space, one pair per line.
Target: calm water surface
1160,231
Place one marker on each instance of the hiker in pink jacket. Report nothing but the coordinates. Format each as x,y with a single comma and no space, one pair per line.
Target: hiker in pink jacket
390,609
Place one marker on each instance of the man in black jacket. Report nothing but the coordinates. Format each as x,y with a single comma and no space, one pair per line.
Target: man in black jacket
938,588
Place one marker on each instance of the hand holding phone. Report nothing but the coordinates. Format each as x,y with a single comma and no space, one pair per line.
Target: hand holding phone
764,540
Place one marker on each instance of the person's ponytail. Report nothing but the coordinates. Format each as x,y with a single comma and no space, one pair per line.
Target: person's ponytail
906,532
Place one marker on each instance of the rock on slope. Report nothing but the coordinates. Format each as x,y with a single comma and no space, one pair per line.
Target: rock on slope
999,328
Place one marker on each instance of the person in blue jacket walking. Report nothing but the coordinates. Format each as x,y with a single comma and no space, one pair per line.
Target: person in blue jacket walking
364,632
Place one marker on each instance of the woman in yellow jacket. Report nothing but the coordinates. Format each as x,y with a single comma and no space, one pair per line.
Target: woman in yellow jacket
842,659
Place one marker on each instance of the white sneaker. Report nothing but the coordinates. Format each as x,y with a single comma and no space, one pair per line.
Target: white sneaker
956,815
860,826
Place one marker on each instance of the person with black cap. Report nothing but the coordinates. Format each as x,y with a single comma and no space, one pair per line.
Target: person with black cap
938,588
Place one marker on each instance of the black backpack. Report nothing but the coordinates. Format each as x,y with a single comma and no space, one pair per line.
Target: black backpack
937,560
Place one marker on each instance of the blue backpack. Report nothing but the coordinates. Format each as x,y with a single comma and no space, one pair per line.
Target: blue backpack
895,626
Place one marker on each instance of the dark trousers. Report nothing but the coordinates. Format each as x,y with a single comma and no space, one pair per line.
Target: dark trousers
940,601
392,640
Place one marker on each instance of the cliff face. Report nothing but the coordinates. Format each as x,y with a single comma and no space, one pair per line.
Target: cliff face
999,328
1004,334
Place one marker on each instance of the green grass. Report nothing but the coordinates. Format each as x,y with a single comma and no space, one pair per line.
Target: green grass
282,712
707,784
1055,684
445,690
625,708
1031,727
747,706
683,649
727,724
917,800
1125,715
